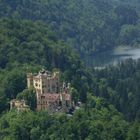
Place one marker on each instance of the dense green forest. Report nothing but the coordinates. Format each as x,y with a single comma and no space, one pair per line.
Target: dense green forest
101,122
110,96
88,26
37,34
27,46
120,86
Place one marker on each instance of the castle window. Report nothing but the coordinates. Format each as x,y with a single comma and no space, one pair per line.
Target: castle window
44,86
42,97
60,103
49,90
67,103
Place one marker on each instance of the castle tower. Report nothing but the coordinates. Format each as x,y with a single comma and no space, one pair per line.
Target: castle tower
29,80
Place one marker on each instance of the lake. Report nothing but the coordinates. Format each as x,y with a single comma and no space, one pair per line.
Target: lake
112,57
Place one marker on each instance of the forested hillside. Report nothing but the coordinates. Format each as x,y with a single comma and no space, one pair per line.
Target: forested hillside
101,122
37,34
27,46
120,85
88,26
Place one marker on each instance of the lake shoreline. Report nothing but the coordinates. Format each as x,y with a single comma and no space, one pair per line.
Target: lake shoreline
112,57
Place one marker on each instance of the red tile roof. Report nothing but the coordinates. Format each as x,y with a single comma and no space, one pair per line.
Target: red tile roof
52,97
56,97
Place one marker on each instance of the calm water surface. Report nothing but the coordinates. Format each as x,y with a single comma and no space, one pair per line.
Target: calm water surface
112,57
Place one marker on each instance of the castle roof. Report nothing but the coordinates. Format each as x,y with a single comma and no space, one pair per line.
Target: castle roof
52,97
56,97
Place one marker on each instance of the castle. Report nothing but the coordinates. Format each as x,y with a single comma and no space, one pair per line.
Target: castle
51,94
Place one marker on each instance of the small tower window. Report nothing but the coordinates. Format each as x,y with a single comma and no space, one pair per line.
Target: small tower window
36,84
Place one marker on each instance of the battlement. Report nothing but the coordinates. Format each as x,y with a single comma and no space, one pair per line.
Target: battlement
19,105
44,81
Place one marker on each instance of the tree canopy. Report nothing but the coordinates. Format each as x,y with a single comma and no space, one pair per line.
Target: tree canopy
88,26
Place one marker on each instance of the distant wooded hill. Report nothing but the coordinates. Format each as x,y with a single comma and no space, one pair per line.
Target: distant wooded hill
88,26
